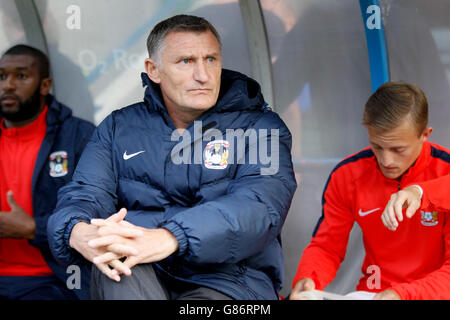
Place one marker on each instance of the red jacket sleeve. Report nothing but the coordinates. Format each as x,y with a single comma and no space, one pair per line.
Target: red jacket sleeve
436,194
436,285
322,257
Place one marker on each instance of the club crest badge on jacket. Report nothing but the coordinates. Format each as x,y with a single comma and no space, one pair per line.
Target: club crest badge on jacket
59,163
216,155
429,219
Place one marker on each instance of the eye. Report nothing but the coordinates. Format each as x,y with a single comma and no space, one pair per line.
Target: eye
399,150
2,76
21,76
211,59
185,61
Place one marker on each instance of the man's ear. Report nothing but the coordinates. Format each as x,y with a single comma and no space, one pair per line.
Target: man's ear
46,85
153,71
427,133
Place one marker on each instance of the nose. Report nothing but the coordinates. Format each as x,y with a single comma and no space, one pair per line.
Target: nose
386,159
201,72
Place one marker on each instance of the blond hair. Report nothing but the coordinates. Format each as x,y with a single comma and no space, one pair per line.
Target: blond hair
394,102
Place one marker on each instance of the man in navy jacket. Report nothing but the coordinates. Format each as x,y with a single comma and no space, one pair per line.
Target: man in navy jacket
185,193
40,145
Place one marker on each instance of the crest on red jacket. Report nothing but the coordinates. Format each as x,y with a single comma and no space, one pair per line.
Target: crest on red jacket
429,219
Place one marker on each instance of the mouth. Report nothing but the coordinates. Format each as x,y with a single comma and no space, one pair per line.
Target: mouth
9,100
200,90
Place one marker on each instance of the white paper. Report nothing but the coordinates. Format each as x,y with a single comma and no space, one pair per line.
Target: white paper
323,295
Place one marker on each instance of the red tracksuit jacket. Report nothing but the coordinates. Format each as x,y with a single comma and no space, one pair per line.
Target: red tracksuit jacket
436,194
414,260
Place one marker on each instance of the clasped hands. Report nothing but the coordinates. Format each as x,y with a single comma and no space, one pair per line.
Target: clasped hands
115,246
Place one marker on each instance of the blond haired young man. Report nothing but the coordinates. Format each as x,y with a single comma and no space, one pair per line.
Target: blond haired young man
358,189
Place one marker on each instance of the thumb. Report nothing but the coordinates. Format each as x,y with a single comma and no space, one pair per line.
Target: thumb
11,201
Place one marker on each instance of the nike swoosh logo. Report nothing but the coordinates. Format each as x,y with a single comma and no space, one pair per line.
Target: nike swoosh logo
362,214
129,156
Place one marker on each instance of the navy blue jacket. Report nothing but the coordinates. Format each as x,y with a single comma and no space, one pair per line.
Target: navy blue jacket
64,133
227,222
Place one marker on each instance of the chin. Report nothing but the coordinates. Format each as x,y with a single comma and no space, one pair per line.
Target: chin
202,101
202,105
391,175
10,109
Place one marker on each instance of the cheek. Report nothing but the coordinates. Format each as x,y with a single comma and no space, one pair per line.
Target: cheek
170,86
406,160
218,77
28,89
173,77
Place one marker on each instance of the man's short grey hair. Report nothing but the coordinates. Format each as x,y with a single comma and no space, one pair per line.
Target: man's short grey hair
178,23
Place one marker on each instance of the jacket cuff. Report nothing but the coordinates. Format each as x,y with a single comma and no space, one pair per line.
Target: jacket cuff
74,256
418,188
425,203
68,230
179,234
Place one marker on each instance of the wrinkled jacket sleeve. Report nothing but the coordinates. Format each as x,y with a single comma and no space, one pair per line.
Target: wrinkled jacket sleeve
91,194
435,285
436,194
241,223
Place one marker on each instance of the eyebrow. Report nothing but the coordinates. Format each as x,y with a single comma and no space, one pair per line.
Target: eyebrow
17,69
390,147
214,54
185,57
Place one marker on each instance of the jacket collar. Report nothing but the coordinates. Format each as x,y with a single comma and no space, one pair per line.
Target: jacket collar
420,164
57,113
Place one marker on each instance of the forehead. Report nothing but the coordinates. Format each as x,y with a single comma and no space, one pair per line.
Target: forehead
185,43
21,62
403,134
